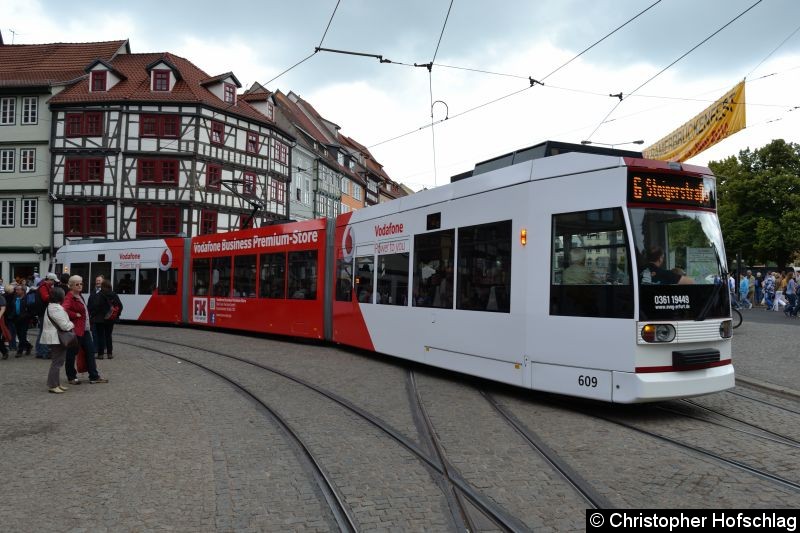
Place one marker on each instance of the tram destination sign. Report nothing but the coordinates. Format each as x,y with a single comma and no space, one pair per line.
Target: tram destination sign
671,189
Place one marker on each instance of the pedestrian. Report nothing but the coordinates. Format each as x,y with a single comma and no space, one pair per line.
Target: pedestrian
744,289
75,306
759,288
45,289
769,291
751,288
791,295
12,330
56,319
3,329
21,317
104,310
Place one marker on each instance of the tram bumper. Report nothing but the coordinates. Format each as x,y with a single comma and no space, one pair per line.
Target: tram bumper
630,387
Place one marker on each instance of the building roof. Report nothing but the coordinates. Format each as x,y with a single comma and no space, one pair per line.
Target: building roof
256,93
55,63
298,118
189,86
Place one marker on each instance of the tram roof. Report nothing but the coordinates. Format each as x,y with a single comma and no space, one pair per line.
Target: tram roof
539,151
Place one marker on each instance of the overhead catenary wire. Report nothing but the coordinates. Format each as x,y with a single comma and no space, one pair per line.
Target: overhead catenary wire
532,82
657,74
773,51
430,90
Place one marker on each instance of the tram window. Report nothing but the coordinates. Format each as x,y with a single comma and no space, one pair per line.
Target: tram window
244,276
82,270
272,276
168,282
147,280
433,269
303,275
590,265
221,276
365,273
99,268
344,279
201,272
484,267
392,279
125,281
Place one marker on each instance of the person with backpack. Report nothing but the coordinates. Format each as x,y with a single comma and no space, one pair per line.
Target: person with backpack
104,310
43,293
20,315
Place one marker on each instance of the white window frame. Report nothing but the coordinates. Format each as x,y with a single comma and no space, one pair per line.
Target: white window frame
344,185
357,192
7,160
7,212
8,111
31,152
30,213
30,110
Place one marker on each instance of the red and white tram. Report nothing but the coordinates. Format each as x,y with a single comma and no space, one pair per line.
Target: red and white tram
592,275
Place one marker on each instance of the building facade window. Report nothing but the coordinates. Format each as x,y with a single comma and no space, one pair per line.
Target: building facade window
30,110
30,210
27,159
85,124
344,187
157,172
208,222
7,160
159,126
7,209
249,186
99,78
213,177
357,191
161,80
84,170
157,221
8,109
217,132
280,153
85,221
230,93
252,142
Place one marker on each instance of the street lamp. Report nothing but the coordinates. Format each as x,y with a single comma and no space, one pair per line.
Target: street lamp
612,145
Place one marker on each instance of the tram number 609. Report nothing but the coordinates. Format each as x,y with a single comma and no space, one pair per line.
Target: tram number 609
587,381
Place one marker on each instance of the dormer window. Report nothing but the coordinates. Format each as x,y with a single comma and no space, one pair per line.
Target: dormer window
99,79
230,93
161,80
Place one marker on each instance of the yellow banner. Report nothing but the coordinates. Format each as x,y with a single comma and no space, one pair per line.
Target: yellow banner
721,119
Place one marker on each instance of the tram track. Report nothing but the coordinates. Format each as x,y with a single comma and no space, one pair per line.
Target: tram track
499,516
739,465
762,401
341,512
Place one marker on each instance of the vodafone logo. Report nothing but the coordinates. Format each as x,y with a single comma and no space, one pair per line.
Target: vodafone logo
129,256
165,261
348,243
388,229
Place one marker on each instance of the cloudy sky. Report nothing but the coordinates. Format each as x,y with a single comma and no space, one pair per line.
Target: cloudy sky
515,39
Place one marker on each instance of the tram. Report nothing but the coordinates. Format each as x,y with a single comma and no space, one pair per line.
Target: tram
596,275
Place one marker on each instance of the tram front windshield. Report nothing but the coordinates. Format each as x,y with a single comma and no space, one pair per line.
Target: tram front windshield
680,264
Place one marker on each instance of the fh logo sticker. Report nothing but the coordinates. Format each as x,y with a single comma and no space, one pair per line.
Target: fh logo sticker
200,310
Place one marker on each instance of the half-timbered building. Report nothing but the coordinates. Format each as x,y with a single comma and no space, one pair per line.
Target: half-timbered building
149,145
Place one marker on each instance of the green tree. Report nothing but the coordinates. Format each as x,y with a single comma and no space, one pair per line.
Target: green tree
759,202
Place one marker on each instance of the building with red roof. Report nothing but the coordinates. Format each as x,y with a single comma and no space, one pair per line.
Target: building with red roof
30,76
150,145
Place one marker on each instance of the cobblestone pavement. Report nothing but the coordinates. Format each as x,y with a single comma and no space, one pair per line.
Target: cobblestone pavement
167,446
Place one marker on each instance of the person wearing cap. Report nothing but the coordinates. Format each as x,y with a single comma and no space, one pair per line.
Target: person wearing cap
45,290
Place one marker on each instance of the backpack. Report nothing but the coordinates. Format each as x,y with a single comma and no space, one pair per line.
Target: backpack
34,302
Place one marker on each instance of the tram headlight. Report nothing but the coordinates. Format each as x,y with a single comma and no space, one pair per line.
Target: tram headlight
726,329
658,333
